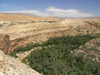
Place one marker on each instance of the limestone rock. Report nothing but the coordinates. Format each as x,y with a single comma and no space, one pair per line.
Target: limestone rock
2,69
2,73
4,43
1,55
12,66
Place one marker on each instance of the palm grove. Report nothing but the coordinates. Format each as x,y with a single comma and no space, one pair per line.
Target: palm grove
60,58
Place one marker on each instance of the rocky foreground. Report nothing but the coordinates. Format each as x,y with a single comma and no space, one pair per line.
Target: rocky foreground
12,66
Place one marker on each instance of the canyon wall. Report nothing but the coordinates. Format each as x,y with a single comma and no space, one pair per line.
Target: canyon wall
8,45
41,37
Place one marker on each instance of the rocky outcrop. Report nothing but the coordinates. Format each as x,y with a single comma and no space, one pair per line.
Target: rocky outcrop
2,63
12,66
4,43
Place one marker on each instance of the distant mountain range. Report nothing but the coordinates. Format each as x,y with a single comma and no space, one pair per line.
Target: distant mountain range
31,15
75,18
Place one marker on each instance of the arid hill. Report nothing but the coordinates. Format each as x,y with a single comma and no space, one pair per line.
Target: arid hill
20,17
22,33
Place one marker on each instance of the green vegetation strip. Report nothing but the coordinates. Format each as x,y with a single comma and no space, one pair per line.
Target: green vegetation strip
79,40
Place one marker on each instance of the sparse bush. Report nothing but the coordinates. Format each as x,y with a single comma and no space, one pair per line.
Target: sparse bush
44,21
25,22
25,60
4,23
20,22
13,54
51,21
12,24
32,21
40,21
1,25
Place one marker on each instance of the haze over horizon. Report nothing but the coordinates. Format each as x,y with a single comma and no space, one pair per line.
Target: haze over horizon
58,8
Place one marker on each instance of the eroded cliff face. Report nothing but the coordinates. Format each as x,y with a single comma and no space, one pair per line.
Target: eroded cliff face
8,45
40,37
5,43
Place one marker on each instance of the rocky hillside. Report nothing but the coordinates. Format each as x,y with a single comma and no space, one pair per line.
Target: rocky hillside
91,50
12,66
25,32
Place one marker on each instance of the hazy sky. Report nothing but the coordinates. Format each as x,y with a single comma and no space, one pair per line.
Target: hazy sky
61,8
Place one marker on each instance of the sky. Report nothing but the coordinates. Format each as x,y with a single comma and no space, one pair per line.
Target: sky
58,8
